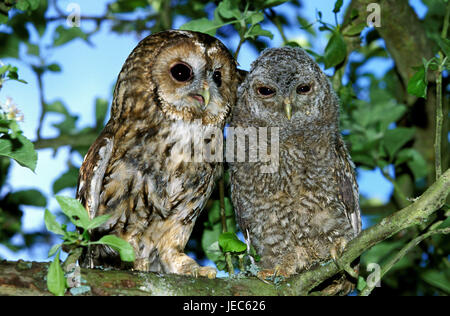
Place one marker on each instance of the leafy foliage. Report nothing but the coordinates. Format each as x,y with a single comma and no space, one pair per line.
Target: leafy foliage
72,240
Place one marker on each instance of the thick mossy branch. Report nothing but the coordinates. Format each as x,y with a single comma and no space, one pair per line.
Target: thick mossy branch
25,278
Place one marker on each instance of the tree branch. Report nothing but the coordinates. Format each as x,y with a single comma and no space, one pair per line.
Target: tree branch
30,280
369,288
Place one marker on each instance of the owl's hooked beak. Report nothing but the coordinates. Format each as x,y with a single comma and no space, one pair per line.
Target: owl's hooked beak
288,108
203,97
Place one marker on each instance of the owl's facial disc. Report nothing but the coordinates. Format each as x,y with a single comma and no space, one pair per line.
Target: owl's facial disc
181,72
194,81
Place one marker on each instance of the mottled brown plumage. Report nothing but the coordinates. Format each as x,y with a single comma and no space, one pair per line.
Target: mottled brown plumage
304,212
137,171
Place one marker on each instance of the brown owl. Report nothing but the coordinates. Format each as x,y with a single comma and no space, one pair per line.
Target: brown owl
137,170
305,209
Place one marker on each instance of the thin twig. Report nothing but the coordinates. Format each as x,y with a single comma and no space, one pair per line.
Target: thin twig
439,120
42,103
223,218
276,21
439,111
402,199
236,53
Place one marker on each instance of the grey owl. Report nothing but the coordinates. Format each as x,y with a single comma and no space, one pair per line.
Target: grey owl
306,210
173,82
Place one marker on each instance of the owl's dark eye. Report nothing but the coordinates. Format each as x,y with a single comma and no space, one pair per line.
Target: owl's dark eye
217,77
181,72
303,89
266,91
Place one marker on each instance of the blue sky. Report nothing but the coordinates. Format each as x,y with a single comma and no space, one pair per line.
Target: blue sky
90,71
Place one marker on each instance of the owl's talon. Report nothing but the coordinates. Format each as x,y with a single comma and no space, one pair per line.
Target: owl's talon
265,274
208,272
336,252
141,264
337,249
271,274
277,271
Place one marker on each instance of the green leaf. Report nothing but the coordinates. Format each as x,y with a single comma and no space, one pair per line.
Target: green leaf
229,9
54,67
27,197
101,110
256,31
354,14
418,83
22,5
437,279
57,107
394,139
3,17
203,25
255,18
54,249
32,49
51,224
229,242
355,29
445,223
124,249
387,115
361,283
129,6
9,45
210,244
69,179
380,252
444,44
415,162
97,221
13,75
74,211
27,5
20,149
64,35
337,6
214,253
364,159
272,3
56,282
68,125
335,51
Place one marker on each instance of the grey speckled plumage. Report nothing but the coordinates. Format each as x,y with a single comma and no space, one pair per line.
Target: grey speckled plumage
136,171
307,210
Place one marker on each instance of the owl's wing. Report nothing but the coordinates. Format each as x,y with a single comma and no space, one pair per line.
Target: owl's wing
92,172
345,175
